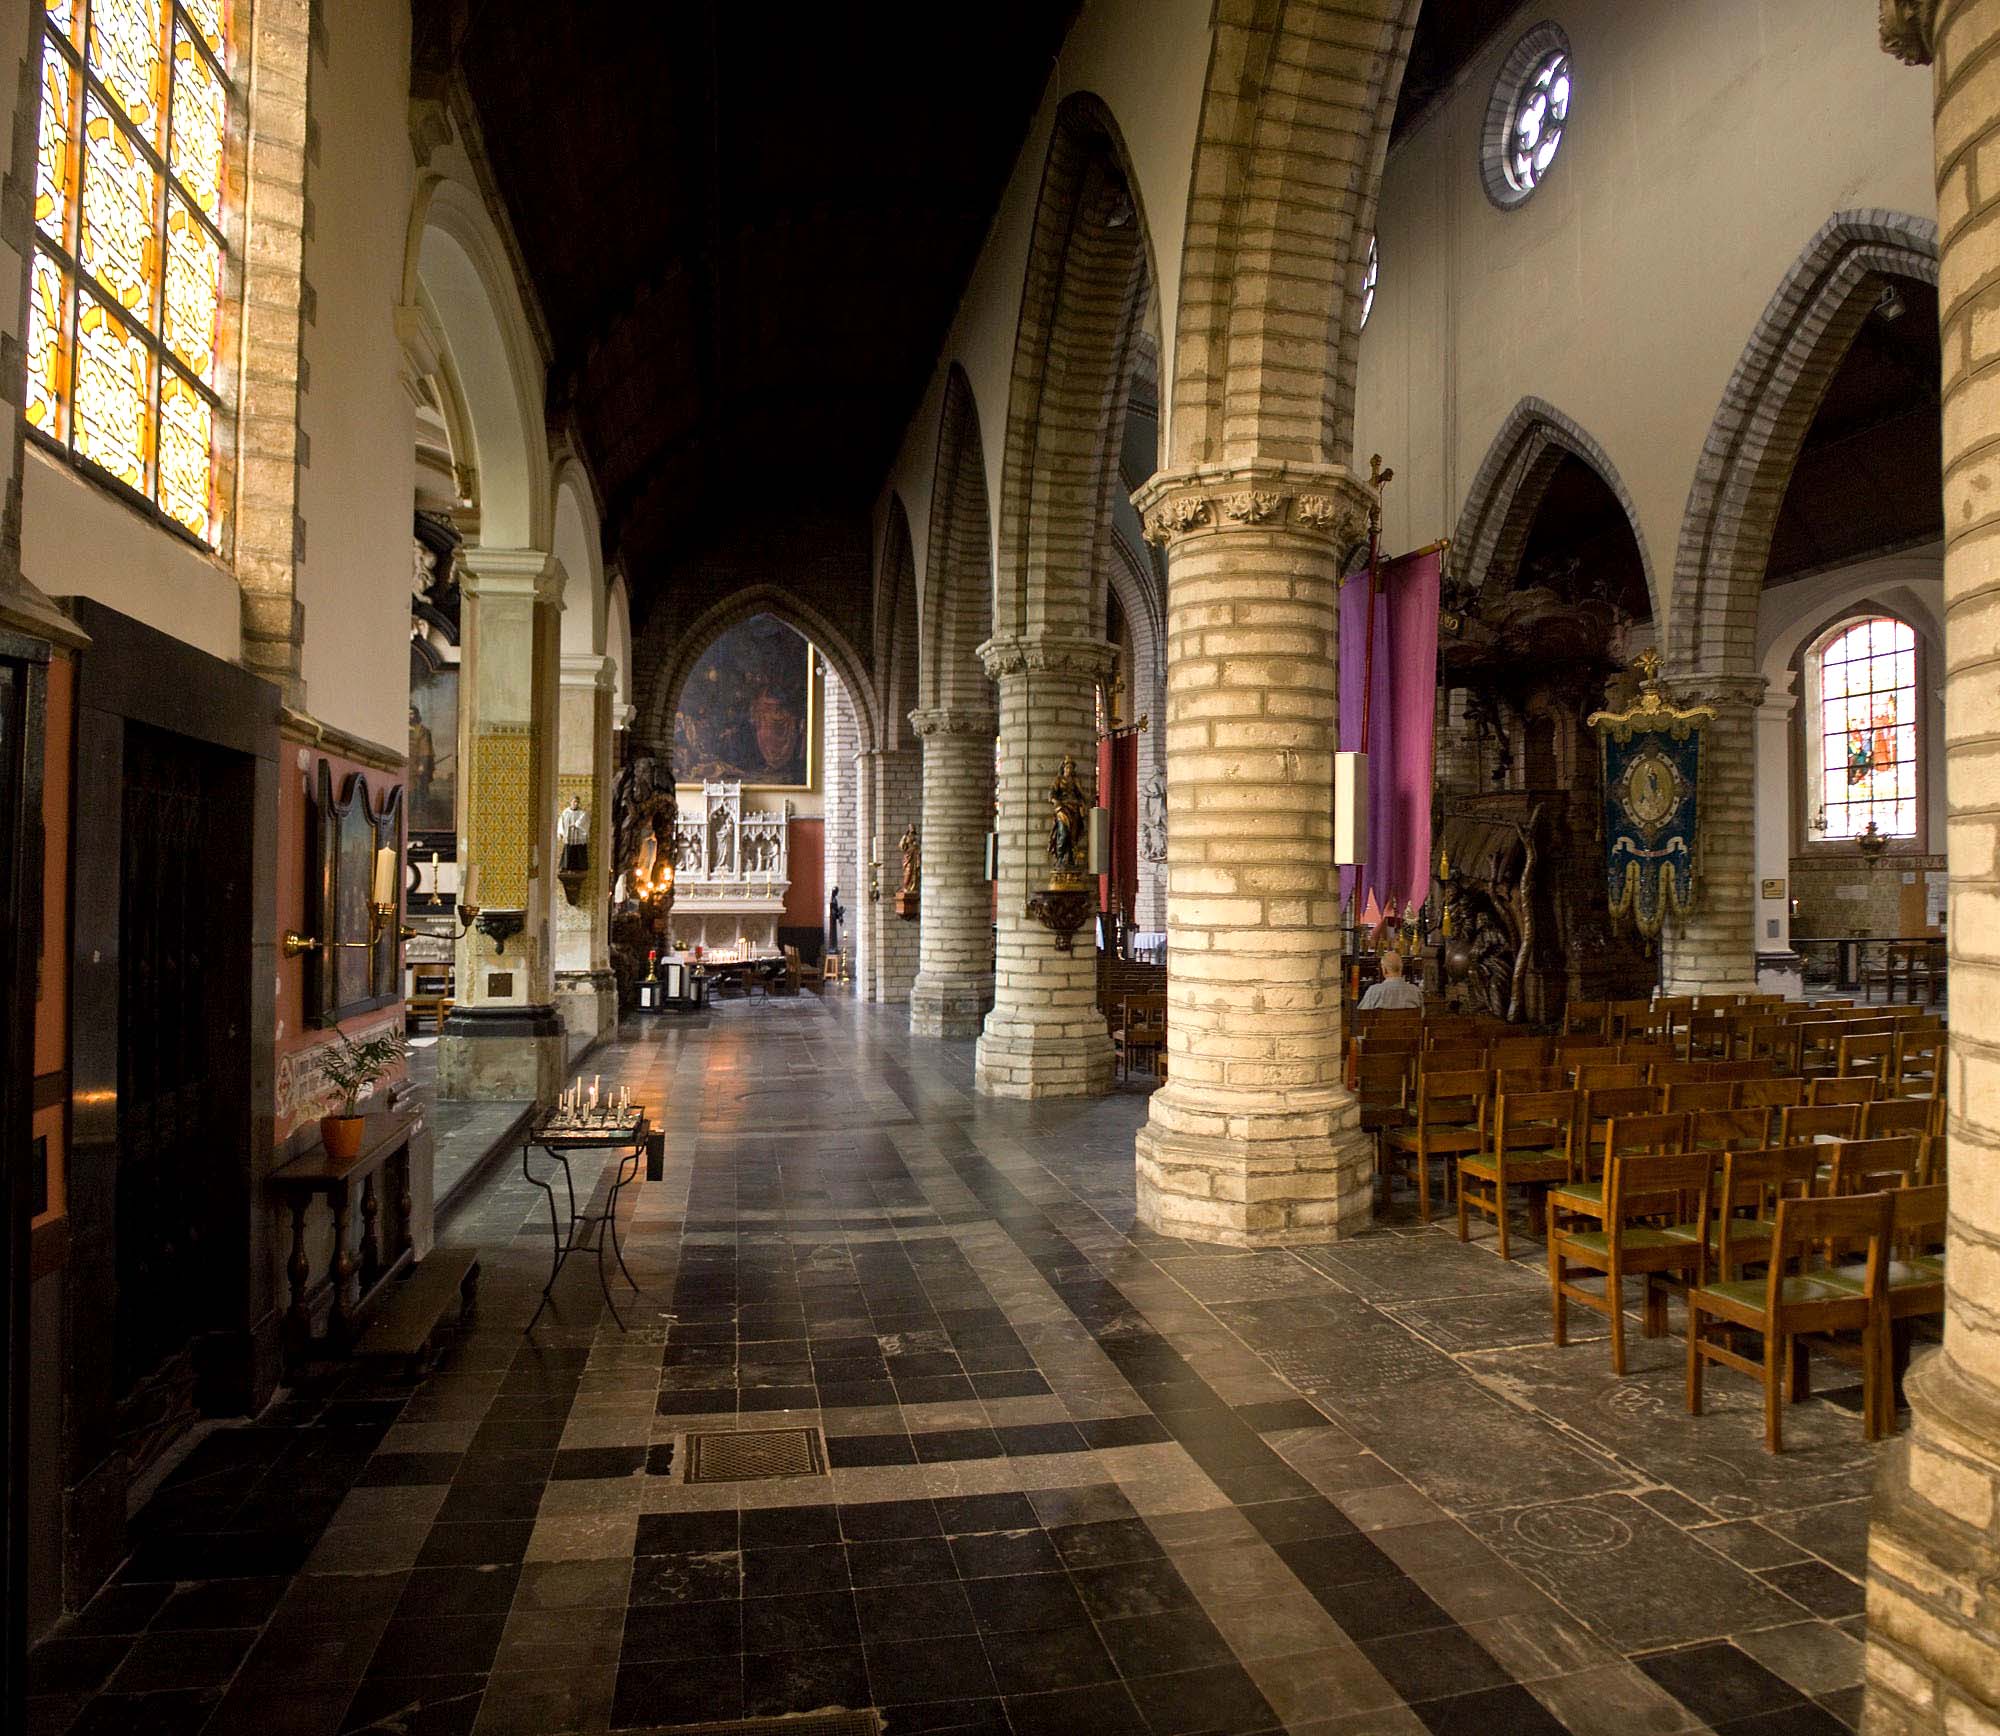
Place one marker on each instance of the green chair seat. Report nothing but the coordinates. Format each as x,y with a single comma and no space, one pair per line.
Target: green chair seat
1637,1237
1753,1292
1921,1273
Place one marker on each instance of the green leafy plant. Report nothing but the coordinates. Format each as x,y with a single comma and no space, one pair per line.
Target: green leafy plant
349,1067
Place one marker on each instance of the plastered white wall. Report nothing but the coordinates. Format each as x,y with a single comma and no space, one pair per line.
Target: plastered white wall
1709,139
359,423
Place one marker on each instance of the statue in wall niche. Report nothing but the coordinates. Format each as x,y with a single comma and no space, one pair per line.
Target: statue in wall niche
1153,819
913,860
1069,824
573,838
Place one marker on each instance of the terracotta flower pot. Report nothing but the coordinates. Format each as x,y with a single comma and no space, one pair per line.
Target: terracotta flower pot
341,1134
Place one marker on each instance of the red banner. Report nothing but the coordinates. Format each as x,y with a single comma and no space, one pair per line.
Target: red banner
1118,790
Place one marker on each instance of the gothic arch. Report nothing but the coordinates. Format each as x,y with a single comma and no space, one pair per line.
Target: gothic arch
1507,492
1089,278
579,546
1766,409
957,613
1274,200
896,628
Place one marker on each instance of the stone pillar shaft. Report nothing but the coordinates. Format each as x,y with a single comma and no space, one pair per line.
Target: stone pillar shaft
1045,1036
503,1039
895,782
1774,814
1253,1141
1715,951
1934,1549
954,985
585,988
840,813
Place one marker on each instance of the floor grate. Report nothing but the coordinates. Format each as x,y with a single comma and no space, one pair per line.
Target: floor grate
742,1455
803,1724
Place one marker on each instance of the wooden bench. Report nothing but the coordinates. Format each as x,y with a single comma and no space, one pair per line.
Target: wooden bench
403,1326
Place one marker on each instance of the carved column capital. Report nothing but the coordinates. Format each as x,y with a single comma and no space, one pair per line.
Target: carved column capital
955,720
1318,500
1048,654
1909,30
1724,692
497,572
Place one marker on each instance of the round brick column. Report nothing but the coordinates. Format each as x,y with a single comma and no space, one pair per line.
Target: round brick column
1934,1551
1253,1141
954,985
1045,1036
1715,951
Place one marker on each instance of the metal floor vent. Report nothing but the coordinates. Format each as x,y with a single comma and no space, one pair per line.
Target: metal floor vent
802,1724
739,1456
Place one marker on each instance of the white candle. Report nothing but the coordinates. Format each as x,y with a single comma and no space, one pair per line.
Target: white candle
469,891
385,875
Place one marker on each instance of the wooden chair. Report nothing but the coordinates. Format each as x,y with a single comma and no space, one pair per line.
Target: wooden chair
1597,1075
1746,1202
1519,1079
1895,1115
1696,1095
1708,1034
1681,1072
1382,1090
1626,1018
1451,1113
1798,1125
1636,1188
1729,1130
1866,1057
1828,1091
1913,1283
1872,1165
1715,1003
1647,1051
430,995
1770,1093
1533,1135
1796,1297
1918,1065
1633,1135
1142,1032
1585,1018
833,968
810,976
1602,1104
1519,1052
1459,1058
1774,1041
1738,1071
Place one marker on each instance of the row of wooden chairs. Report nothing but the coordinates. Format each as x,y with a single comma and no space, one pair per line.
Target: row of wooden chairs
1139,1032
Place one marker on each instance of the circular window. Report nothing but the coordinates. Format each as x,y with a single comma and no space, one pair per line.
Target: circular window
1368,281
1526,117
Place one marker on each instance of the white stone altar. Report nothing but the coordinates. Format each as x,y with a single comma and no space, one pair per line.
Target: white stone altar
731,870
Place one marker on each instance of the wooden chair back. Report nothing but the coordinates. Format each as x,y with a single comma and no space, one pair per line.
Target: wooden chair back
1623,1018
1530,1079
1678,1184
1770,1093
1696,1095
1919,1063
1630,1135
1775,1041
1647,1050
1458,1099
1599,1075
1871,1165
1887,1116
1719,1071
1825,1091
1585,1017
1708,1034
1729,1129
1681,1072
1867,1056
1519,1052
1799,1124
1602,1105
1455,1058
1527,1123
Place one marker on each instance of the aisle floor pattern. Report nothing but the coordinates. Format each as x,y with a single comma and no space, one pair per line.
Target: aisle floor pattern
1079,1477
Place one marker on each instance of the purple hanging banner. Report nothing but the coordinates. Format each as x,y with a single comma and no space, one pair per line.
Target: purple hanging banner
1402,715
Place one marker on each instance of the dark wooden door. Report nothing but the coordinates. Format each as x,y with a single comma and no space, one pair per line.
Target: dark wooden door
176,1032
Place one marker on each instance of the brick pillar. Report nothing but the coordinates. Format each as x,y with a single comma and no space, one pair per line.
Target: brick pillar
841,740
1253,1141
897,778
1715,951
586,991
1149,901
504,1039
1934,1550
1780,974
954,985
1045,1036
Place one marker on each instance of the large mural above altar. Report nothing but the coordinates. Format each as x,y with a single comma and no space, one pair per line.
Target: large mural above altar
746,710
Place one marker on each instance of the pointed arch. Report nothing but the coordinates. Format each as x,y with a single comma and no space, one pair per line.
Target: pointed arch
1507,492
579,546
957,615
1767,407
896,629
1089,278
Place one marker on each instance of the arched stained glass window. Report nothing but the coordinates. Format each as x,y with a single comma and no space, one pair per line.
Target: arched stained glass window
125,305
1368,278
1868,729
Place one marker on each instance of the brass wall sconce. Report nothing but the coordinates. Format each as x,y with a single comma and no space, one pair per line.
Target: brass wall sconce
382,912
1872,842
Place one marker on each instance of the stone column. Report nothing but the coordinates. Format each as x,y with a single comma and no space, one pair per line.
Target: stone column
1934,1551
1045,1036
1776,974
586,991
894,782
1715,950
1253,1141
838,759
504,1039
954,985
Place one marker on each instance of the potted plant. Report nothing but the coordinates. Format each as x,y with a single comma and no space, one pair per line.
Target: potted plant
350,1068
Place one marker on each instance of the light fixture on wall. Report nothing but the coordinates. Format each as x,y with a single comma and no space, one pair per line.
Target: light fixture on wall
1872,842
383,907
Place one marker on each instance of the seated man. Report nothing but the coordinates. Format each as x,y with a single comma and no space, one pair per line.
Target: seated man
1393,990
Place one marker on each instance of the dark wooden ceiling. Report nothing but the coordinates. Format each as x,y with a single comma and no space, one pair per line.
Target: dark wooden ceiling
748,227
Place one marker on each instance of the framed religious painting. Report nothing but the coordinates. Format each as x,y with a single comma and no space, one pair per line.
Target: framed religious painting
746,709
353,969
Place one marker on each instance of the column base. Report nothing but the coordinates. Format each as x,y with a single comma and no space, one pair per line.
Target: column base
943,1006
501,1054
1296,1174
1934,1564
1013,1065
588,1003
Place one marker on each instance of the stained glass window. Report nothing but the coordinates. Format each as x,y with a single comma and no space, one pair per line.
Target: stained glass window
1868,729
1368,281
125,316
1540,113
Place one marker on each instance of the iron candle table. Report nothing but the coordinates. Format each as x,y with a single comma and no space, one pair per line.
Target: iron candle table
557,1135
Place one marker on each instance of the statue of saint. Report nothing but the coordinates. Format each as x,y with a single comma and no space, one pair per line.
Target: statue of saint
834,912
913,860
573,838
1153,819
1069,824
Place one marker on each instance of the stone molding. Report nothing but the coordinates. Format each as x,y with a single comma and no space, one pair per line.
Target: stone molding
1909,30
590,670
485,572
1047,654
1723,691
1322,500
954,720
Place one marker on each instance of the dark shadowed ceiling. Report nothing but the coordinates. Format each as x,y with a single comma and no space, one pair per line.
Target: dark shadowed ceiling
1449,34
748,226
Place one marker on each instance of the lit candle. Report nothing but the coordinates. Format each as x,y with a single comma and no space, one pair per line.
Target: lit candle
434,874
385,875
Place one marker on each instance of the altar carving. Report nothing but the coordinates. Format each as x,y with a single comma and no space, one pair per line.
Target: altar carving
731,871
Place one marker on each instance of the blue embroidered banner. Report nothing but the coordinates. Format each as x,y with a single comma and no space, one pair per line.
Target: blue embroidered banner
1652,782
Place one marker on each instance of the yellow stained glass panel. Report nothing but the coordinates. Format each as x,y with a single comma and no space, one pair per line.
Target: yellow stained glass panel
186,440
55,147
200,122
119,245
211,18
194,291
127,51
62,16
47,374
113,375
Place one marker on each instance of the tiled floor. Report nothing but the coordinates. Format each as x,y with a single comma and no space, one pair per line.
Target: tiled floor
1080,1477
